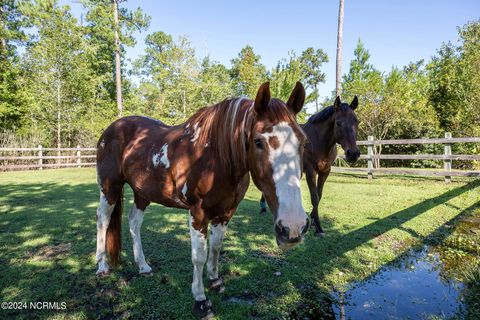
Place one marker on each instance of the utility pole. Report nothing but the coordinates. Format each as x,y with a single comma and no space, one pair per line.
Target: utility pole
118,70
338,81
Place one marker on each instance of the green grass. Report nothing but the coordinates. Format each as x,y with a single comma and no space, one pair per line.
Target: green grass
48,236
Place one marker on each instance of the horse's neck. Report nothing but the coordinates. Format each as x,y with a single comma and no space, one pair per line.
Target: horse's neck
325,139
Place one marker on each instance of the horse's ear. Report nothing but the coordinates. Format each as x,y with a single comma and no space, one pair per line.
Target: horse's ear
337,104
263,98
297,98
354,103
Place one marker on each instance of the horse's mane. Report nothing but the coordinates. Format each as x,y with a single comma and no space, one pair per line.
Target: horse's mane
222,128
321,116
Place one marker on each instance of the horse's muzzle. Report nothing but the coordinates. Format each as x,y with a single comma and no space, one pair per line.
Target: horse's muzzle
352,155
284,240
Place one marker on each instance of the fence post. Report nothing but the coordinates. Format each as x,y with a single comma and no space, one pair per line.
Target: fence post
40,159
79,160
370,157
448,162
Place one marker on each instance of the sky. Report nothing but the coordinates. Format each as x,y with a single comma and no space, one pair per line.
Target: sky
395,32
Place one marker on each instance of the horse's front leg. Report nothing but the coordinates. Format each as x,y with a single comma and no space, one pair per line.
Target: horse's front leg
312,187
217,233
322,177
198,236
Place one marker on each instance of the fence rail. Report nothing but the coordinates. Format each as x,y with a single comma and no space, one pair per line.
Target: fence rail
447,158
40,157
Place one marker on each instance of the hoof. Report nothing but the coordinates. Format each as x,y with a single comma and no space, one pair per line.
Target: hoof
320,234
203,309
216,285
146,274
263,210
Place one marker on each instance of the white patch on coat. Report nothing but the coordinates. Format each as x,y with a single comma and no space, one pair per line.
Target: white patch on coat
135,220
196,132
102,144
156,159
104,213
285,161
161,157
217,234
184,189
199,256
187,129
164,159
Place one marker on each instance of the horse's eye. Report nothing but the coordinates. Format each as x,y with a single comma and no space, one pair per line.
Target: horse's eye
339,124
259,144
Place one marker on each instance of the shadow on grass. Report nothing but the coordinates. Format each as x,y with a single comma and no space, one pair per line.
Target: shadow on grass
33,217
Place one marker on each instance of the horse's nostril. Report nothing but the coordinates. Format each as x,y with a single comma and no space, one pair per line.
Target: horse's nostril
281,230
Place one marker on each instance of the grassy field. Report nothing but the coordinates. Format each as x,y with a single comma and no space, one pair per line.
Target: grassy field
48,236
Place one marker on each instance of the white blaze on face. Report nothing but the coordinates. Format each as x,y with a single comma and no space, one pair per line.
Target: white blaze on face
285,162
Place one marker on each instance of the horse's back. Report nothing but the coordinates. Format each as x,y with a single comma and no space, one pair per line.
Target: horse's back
117,139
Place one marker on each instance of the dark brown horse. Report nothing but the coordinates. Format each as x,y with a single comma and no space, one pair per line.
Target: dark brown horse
203,166
334,124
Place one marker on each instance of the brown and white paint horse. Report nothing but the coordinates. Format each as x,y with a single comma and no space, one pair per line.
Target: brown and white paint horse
334,124
203,166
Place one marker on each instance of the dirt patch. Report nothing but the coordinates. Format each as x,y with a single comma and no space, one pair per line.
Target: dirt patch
50,252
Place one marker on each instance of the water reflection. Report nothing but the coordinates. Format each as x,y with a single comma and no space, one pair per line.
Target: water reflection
413,287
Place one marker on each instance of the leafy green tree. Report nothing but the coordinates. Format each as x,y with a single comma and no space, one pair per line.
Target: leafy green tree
454,82
59,85
284,77
215,83
312,61
247,72
170,72
100,32
455,87
12,35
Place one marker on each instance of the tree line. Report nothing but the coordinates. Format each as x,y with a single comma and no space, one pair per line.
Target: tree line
57,78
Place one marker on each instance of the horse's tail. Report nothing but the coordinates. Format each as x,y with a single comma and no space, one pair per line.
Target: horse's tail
114,231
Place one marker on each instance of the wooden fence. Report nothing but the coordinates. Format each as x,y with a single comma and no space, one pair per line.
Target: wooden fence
39,158
447,157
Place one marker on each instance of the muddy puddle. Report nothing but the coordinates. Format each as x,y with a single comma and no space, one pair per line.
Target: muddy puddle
411,288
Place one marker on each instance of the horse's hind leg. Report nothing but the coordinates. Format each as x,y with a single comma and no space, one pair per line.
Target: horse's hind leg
104,213
135,220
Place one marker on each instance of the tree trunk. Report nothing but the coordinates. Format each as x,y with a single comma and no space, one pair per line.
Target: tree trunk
118,70
338,81
59,120
184,102
3,26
